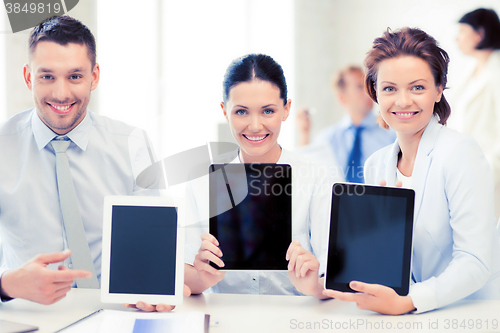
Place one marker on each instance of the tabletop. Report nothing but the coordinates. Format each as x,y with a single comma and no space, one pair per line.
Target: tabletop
265,313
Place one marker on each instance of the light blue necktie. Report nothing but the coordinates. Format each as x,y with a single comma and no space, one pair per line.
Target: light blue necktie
73,225
354,170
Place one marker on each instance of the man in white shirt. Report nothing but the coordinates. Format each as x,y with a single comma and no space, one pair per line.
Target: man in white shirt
104,156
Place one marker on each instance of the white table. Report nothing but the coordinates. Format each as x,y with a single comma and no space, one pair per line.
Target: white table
253,313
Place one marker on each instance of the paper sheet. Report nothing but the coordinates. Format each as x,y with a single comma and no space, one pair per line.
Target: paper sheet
109,321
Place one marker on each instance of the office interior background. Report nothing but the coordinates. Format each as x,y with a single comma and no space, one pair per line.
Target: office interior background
162,61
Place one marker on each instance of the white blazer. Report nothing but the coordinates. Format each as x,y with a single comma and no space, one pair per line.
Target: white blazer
476,112
456,251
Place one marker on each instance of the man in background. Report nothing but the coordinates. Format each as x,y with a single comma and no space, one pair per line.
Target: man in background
357,135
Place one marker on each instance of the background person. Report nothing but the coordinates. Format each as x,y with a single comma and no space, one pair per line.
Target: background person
357,135
476,101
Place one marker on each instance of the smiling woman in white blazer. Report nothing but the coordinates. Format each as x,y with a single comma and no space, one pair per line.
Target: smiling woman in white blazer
455,244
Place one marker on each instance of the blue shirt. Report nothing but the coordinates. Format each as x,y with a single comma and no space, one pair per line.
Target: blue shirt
340,137
105,156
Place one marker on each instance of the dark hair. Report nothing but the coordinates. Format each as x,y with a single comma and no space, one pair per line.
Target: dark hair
63,30
487,21
251,67
413,42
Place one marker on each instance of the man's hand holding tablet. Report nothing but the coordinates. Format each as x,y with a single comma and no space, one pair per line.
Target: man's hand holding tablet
158,307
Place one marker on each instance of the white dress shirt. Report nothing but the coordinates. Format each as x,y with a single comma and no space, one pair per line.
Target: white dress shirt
340,137
105,156
311,201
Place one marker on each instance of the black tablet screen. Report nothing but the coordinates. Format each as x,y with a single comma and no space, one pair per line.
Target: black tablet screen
256,232
370,237
143,247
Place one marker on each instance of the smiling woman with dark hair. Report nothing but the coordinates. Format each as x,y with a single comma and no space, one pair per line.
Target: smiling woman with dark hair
255,104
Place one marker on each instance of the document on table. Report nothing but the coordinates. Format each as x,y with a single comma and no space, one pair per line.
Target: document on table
13,327
109,321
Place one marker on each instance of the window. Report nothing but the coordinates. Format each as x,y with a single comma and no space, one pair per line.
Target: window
163,69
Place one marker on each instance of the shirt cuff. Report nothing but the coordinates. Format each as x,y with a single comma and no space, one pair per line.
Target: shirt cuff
3,297
189,255
423,297
322,265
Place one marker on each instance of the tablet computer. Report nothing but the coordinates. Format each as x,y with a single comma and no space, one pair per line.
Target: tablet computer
255,233
142,250
370,234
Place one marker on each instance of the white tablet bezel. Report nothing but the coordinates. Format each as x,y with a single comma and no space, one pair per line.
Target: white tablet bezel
160,201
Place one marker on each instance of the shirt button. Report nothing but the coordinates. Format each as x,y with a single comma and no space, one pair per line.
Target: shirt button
253,279
70,265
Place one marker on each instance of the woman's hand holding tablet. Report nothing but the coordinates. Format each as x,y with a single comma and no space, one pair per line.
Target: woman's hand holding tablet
208,252
303,270
374,297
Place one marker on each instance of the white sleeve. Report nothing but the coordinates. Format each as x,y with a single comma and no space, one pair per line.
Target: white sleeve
469,189
320,207
196,218
143,161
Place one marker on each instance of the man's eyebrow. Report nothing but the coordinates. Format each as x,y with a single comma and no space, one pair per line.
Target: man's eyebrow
73,70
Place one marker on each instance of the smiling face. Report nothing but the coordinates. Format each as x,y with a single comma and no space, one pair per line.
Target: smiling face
61,78
406,93
255,111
